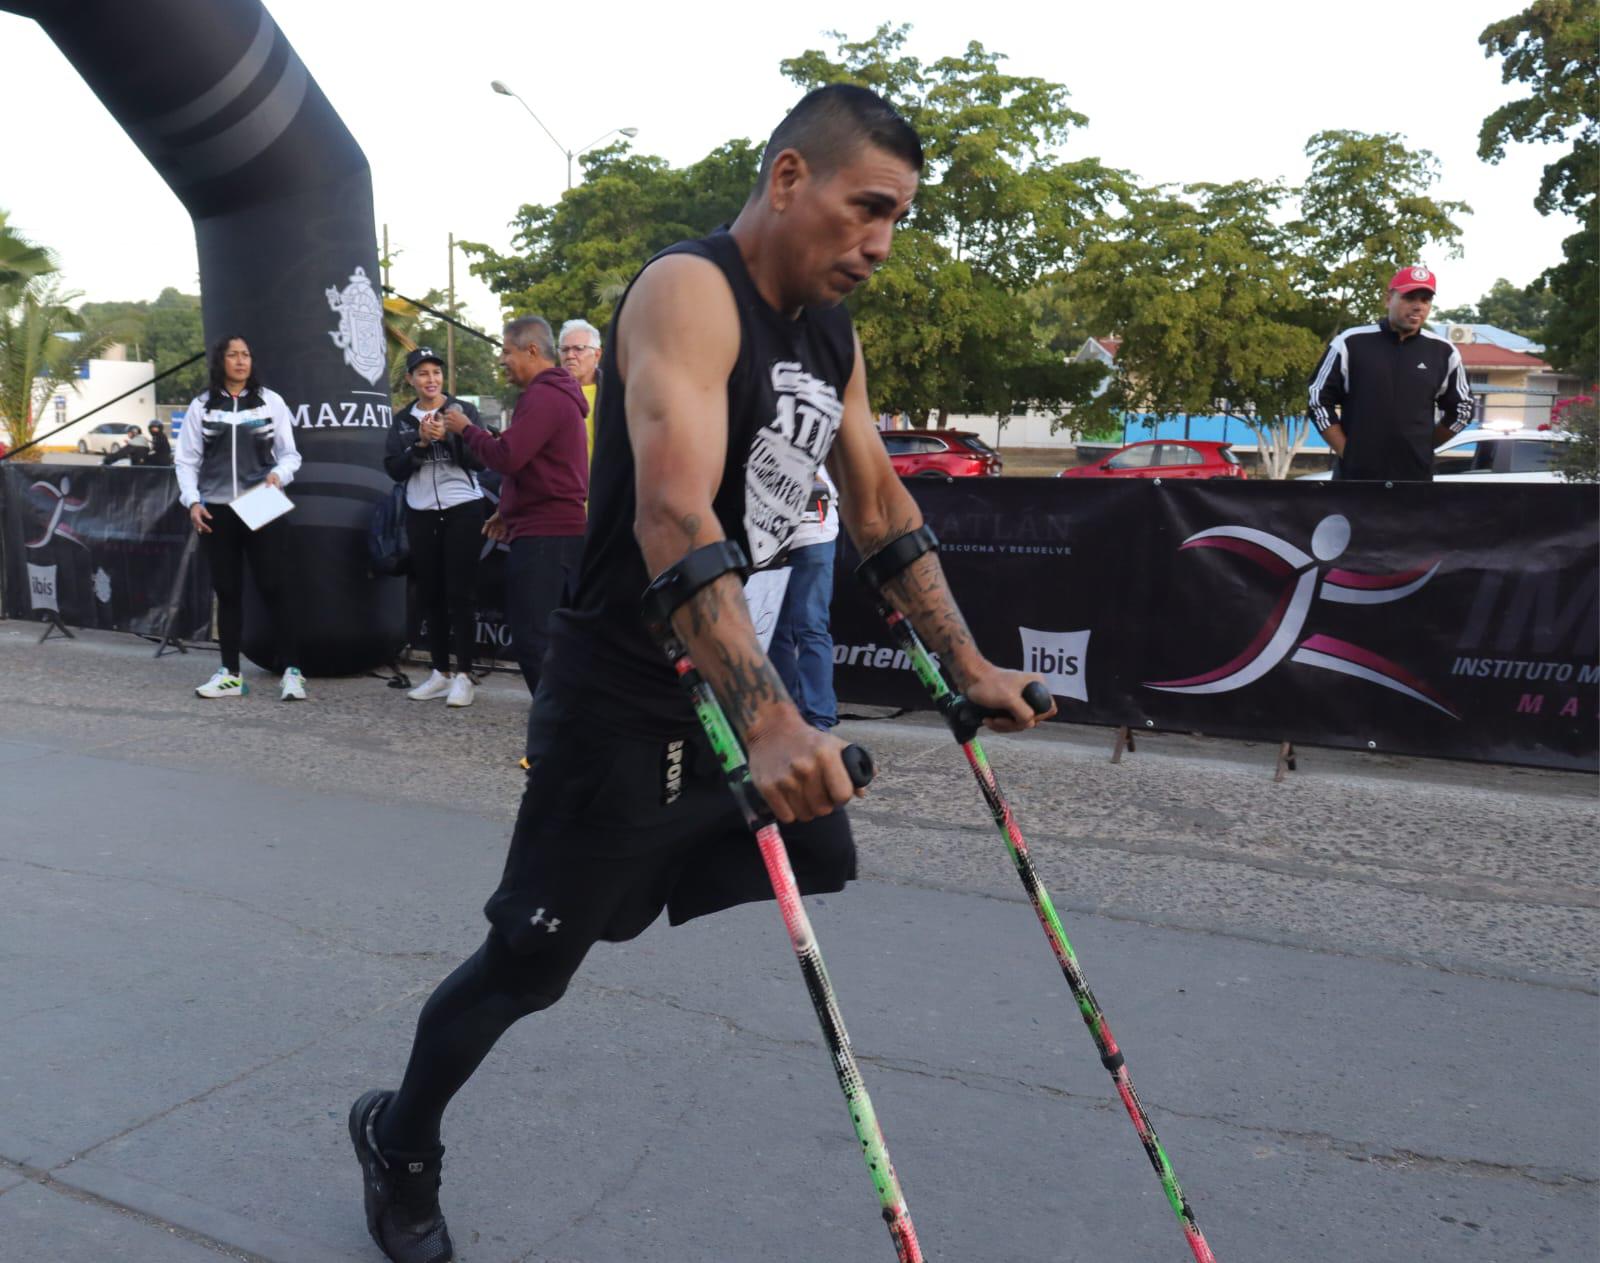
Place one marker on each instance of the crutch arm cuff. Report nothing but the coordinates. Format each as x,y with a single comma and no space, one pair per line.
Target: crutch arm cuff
896,555
678,583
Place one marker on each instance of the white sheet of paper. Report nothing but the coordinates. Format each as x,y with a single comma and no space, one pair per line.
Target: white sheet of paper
763,593
260,505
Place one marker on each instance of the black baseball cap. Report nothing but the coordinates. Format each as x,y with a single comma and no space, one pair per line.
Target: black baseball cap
422,355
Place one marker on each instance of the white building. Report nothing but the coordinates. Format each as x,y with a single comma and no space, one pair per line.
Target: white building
98,381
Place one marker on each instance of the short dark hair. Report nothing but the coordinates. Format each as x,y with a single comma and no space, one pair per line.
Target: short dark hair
830,123
219,354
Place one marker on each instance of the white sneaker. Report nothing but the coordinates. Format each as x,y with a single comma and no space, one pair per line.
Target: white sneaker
436,685
223,684
461,690
294,686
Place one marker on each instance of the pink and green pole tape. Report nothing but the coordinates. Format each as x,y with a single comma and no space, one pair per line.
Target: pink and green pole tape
964,719
891,1201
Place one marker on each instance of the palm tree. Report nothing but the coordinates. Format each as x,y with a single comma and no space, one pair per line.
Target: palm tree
42,342
20,262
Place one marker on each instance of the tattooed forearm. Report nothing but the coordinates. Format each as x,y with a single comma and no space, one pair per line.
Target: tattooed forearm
746,683
919,591
715,625
922,595
705,608
871,536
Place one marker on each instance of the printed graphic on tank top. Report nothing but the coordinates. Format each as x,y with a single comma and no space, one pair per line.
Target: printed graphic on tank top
784,456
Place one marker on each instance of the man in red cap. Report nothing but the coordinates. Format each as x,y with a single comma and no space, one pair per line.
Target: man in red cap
1386,394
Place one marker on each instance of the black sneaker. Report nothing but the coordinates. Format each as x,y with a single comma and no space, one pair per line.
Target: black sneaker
401,1191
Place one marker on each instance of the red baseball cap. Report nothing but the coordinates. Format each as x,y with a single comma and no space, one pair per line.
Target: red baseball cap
1414,277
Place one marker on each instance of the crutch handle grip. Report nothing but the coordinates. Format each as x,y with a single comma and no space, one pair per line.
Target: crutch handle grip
1037,696
858,763
965,717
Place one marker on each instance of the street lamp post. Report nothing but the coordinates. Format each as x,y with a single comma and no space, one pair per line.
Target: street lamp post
629,132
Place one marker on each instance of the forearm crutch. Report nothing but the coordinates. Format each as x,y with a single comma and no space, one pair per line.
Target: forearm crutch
665,595
964,719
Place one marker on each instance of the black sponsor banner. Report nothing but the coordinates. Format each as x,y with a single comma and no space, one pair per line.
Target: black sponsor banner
100,547
1444,620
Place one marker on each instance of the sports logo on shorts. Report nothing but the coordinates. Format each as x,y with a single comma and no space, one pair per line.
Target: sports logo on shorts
671,773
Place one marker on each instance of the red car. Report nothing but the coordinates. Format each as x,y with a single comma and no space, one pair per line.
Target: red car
940,454
1164,458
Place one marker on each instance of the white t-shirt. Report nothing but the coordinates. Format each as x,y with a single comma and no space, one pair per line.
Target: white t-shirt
439,483
815,528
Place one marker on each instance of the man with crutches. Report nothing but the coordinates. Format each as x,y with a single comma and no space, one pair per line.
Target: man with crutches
734,371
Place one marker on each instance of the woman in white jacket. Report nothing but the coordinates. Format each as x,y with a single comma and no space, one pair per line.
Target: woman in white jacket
235,437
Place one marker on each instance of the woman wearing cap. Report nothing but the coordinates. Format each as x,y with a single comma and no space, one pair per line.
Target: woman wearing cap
235,437
444,523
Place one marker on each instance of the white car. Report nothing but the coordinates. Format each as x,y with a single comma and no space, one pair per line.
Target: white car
1482,455
106,437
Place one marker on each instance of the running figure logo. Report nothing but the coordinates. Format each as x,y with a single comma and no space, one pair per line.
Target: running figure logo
63,503
1279,637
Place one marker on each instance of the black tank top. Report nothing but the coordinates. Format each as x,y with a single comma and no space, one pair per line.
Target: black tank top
785,398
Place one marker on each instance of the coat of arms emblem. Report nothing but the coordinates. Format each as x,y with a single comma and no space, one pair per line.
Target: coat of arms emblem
360,332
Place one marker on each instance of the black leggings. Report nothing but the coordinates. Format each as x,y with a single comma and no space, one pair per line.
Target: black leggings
460,1023
227,546
445,544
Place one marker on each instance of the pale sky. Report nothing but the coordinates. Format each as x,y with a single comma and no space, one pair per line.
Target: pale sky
1174,91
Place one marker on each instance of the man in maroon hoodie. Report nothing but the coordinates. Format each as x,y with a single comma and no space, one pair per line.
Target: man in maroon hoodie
543,461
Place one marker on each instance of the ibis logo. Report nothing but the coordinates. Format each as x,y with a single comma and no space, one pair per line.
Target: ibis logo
1062,658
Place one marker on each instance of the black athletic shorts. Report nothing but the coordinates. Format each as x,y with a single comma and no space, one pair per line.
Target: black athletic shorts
615,826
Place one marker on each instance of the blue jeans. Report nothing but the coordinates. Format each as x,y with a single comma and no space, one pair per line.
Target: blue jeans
802,645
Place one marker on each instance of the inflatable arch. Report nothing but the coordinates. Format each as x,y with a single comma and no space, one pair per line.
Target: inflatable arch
281,197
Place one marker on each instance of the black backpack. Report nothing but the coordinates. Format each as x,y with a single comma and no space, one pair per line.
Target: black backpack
388,548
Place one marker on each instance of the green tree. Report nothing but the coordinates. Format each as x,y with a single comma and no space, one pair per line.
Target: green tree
408,327
42,342
167,332
174,331
1521,310
1554,47
575,258
998,215
1365,210
946,324
20,261
1578,460
1572,335
1206,290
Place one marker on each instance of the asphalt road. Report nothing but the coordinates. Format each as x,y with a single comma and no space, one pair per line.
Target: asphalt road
1360,1006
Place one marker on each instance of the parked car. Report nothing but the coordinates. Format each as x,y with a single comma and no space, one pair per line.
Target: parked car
1485,455
107,437
1164,458
940,454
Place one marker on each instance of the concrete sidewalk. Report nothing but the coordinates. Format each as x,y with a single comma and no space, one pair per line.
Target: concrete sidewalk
219,921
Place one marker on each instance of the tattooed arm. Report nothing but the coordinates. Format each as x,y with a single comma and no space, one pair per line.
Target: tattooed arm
676,345
875,508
